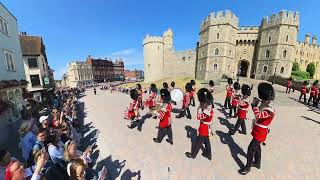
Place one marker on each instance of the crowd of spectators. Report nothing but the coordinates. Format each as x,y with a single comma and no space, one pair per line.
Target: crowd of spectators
49,144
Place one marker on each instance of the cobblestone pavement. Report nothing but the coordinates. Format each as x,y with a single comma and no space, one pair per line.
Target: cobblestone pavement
292,150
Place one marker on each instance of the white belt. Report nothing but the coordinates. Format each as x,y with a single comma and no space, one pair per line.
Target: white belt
207,123
246,109
260,125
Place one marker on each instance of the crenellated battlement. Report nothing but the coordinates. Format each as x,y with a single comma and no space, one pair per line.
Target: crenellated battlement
152,39
221,17
283,17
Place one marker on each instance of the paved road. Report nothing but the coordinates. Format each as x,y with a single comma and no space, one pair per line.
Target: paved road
292,150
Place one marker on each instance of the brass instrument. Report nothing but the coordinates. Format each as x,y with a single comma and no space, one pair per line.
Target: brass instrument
154,111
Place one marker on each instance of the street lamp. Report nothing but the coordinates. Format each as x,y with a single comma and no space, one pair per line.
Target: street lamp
275,70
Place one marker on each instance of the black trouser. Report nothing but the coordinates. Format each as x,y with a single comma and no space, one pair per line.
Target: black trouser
162,132
234,108
184,111
201,140
227,102
254,153
313,98
95,92
192,101
211,102
304,96
242,123
317,101
288,90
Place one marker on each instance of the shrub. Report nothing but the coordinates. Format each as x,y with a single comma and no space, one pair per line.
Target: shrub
295,67
300,75
311,68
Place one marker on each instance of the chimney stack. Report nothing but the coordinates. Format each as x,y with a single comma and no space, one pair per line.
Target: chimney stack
314,40
307,38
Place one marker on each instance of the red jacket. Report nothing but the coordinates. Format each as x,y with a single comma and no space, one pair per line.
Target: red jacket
132,110
229,91
243,108
205,116
313,90
235,99
303,89
319,92
186,99
151,101
289,83
165,115
263,120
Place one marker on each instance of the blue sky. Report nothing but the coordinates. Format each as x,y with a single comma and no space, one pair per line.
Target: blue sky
73,29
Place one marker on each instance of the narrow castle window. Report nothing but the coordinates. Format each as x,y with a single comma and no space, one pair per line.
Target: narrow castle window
245,51
284,53
281,70
218,35
267,54
158,47
201,67
265,69
287,38
215,67
230,52
202,54
237,42
216,52
269,39
228,67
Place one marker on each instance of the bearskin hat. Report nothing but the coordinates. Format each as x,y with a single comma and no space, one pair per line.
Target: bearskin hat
134,94
188,87
165,85
193,82
153,88
138,86
315,82
266,91
246,90
236,86
211,83
305,82
204,95
290,78
230,81
165,95
173,84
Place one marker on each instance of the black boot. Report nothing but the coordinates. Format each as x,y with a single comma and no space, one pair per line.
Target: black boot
244,171
256,165
182,113
170,142
155,140
189,155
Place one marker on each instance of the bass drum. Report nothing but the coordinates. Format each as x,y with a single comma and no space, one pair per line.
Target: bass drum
176,95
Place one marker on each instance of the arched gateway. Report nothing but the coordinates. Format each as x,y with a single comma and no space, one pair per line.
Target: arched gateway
243,68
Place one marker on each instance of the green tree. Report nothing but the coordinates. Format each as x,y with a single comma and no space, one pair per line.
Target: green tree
295,67
311,68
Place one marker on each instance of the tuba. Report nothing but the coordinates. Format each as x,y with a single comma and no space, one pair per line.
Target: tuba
154,111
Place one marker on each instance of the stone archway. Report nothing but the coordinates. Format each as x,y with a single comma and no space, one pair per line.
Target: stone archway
243,68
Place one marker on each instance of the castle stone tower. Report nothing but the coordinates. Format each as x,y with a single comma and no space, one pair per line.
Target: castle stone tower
217,42
168,39
278,36
153,58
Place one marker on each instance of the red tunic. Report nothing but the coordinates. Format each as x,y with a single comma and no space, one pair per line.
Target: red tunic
313,90
132,110
303,89
235,99
263,120
205,116
243,109
289,84
229,91
319,92
165,115
151,101
186,99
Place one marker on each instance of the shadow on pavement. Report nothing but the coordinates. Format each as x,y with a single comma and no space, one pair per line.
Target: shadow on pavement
235,149
114,169
141,122
225,122
309,119
176,110
193,134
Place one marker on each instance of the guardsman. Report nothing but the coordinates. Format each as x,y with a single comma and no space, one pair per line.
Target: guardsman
173,84
289,85
205,116
152,99
318,98
186,102
164,116
264,115
165,85
242,110
132,112
211,90
229,89
236,96
139,88
193,92
313,93
303,92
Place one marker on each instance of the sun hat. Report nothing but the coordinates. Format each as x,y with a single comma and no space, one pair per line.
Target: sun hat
43,118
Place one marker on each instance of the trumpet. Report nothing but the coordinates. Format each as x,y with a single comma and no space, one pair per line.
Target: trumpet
154,111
